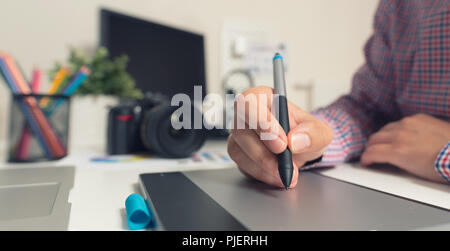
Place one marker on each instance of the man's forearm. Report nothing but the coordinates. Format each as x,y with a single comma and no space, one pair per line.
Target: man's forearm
351,125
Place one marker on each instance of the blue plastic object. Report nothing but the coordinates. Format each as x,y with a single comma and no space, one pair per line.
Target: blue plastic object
138,214
277,57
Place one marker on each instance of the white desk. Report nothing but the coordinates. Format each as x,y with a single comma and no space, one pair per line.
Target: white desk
100,189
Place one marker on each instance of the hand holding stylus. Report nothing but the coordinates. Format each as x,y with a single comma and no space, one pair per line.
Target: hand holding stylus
307,139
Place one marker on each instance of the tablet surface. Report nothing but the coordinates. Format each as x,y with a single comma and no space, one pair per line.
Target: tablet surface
226,200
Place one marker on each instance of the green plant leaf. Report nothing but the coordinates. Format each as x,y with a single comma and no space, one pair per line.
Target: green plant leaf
108,76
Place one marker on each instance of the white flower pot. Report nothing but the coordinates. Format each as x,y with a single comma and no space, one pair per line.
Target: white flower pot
88,122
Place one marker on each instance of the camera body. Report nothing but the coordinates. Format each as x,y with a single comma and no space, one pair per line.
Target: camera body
145,126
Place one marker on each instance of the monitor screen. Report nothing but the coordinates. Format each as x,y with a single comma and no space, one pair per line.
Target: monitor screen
162,59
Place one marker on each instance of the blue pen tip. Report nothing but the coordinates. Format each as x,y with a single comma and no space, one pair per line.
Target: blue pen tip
277,56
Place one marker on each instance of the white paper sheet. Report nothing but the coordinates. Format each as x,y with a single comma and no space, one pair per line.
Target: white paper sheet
393,181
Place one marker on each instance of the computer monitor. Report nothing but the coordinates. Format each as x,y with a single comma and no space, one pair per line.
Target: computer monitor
162,59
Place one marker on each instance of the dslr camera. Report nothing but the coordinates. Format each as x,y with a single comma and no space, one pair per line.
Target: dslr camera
145,126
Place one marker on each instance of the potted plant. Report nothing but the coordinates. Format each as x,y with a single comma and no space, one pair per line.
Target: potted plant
108,83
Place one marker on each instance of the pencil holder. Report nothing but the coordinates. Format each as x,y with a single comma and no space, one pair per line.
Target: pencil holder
39,127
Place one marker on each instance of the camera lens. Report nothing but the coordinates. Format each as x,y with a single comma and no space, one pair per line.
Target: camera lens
177,133
159,135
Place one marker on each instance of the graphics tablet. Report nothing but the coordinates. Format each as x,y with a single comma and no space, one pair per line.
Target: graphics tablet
227,200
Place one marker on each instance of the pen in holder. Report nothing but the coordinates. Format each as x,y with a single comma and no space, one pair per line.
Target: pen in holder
39,127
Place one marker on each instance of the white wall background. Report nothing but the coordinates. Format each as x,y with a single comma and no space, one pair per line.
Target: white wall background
325,37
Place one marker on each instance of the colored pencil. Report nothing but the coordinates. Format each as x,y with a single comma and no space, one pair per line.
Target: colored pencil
71,87
7,76
82,74
25,137
35,129
57,81
36,80
24,143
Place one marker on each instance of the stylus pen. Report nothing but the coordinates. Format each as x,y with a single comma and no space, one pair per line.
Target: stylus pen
285,167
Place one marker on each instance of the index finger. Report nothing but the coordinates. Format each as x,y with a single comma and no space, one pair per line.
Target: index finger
253,111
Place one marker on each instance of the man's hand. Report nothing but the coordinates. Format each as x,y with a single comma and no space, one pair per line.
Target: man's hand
308,138
411,144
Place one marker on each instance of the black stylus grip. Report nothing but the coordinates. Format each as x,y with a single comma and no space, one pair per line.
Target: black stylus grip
285,167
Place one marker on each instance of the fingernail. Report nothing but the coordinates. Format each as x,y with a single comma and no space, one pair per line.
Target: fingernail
300,141
278,144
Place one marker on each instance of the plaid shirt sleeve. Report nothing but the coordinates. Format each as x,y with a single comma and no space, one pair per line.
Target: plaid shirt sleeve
442,163
371,102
